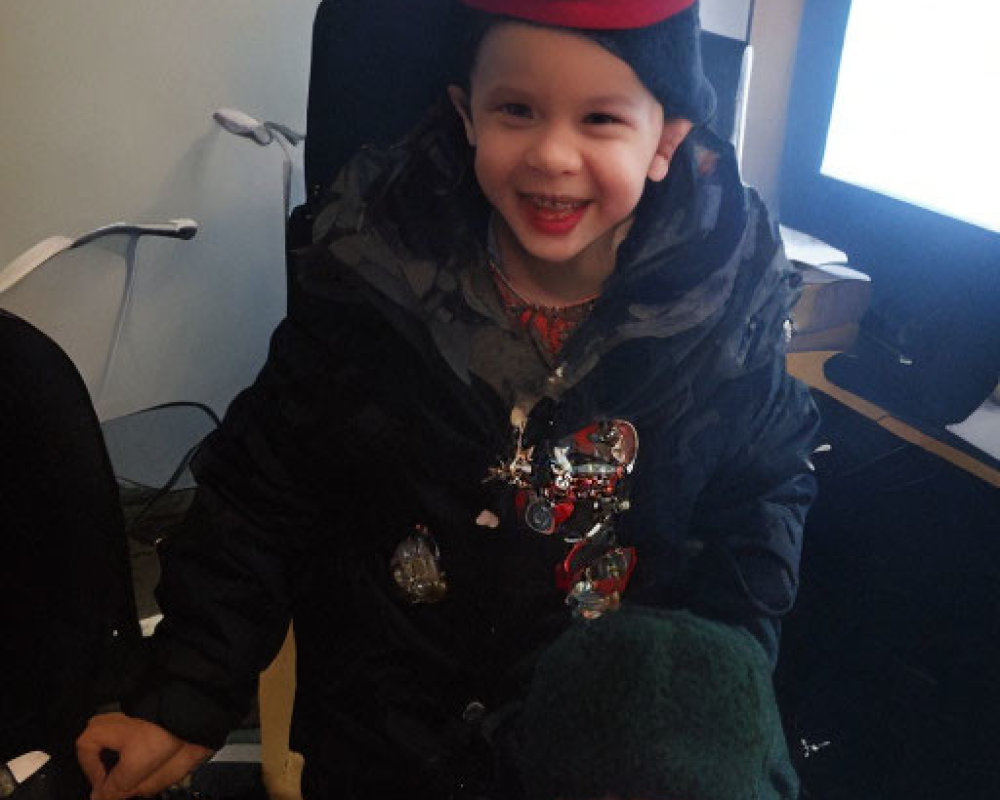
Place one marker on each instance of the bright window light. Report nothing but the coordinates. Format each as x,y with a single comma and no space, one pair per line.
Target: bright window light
916,114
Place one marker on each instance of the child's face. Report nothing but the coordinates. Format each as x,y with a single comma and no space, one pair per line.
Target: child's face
565,137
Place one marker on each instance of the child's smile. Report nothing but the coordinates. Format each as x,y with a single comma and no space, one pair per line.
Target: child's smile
566,136
554,216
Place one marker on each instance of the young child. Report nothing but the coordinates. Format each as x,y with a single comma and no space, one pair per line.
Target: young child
533,369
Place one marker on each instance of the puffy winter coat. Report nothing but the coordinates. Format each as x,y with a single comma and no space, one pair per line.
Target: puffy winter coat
378,409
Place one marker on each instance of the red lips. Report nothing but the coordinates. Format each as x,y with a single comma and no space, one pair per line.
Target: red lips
554,216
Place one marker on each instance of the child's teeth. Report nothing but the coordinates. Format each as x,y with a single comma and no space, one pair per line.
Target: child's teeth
556,205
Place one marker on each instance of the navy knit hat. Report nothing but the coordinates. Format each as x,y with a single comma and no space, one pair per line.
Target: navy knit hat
659,39
653,704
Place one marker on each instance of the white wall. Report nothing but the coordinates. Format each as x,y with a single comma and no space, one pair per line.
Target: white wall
728,17
107,115
774,37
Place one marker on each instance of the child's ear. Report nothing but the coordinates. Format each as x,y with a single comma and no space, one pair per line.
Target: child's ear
460,100
674,131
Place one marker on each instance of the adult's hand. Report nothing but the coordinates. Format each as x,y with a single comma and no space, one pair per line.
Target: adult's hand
150,758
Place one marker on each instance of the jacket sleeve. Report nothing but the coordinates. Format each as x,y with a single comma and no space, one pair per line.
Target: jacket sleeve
750,516
230,579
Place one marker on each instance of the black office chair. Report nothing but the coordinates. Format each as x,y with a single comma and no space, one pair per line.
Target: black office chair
68,624
727,64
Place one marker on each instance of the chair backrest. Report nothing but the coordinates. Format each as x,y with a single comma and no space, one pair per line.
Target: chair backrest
378,65
727,65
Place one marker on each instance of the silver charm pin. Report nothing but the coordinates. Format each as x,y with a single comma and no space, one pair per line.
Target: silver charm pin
416,568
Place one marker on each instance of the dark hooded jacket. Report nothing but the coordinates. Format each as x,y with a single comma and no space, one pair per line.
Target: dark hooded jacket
380,406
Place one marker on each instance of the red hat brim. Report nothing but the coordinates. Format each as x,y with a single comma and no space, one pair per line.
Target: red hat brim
586,14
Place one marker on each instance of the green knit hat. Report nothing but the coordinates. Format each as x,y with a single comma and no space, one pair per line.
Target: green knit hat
650,704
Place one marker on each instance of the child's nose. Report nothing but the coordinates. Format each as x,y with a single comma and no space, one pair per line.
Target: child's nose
553,150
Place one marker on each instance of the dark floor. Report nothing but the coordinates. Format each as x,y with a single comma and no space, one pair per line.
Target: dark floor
889,668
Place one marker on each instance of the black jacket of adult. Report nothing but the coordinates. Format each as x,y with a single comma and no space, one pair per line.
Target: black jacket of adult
370,415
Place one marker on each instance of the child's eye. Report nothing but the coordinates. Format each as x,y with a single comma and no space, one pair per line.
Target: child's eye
519,110
600,118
